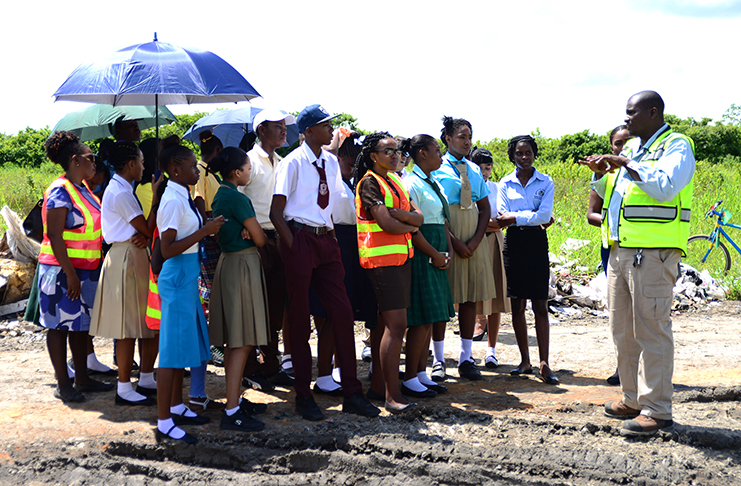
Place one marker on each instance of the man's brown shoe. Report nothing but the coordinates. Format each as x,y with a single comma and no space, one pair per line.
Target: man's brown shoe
644,425
619,410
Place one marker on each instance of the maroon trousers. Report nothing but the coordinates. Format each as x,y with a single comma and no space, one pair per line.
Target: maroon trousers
315,260
275,281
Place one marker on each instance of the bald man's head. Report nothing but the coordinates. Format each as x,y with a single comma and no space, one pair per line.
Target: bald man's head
645,114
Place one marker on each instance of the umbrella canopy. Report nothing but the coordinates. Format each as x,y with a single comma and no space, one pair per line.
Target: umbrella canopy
156,73
96,121
231,125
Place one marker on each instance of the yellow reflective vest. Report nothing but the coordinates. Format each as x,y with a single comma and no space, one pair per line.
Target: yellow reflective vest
645,222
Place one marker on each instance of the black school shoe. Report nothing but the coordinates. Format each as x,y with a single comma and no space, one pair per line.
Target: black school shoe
252,408
241,422
308,409
258,381
182,419
359,405
469,370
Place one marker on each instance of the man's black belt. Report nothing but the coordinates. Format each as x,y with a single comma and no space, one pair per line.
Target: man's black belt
317,230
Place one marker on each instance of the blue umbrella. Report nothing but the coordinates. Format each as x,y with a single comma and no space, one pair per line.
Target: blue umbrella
231,125
156,73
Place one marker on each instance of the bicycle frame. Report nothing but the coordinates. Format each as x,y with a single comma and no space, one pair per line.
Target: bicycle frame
719,230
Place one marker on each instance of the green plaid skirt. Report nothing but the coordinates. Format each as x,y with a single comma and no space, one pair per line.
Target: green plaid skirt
431,300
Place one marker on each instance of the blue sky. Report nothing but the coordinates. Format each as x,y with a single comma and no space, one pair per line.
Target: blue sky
508,67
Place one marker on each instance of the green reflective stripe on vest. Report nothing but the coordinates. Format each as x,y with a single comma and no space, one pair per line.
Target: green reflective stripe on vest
154,313
73,252
368,227
656,213
153,287
383,250
72,236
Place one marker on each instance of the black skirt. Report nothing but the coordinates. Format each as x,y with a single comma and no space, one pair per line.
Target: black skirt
526,262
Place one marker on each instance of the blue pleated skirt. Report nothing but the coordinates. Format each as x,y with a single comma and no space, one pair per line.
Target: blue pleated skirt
183,330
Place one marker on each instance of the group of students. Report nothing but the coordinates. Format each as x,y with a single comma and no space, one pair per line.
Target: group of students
337,230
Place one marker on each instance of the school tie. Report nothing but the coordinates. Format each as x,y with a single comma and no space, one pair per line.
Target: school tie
466,202
446,208
323,198
195,210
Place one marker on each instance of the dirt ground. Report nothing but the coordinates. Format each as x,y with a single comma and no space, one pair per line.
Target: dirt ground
503,430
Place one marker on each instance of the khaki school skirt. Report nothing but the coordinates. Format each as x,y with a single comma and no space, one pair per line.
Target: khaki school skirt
238,310
501,302
471,279
121,299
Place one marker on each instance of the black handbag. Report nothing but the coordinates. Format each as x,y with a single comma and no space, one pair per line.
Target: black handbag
33,225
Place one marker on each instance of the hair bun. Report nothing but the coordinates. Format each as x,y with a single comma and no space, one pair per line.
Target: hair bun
205,135
170,141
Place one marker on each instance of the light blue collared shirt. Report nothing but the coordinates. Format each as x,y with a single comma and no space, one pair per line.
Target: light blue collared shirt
424,195
662,181
533,204
448,177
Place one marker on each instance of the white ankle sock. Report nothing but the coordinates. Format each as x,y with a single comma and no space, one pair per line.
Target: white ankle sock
94,365
491,351
126,391
70,372
326,383
181,409
466,345
424,379
336,375
438,351
415,385
232,411
147,380
165,425
286,362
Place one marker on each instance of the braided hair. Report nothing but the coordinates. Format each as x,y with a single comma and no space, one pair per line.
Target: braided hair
228,160
61,146
413,145
173,153
512,145
351,146
451,125
364,163
121,153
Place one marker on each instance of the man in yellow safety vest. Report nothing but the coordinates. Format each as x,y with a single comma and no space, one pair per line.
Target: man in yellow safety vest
647,191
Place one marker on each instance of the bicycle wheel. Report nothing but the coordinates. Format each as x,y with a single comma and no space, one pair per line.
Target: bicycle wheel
702,256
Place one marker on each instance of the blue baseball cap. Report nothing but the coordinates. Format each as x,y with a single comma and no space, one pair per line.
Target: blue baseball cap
312,115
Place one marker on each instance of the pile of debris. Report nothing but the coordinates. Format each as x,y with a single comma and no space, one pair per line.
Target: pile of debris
575,290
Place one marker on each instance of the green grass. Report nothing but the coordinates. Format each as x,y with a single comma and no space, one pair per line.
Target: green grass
22,187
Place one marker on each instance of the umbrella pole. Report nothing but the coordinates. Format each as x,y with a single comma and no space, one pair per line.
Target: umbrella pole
157,127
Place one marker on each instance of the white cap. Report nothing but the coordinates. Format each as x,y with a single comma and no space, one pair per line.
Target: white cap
273,115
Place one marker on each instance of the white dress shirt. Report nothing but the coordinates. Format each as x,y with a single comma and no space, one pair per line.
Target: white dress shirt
532,204
298,180
176,213
261,184
118,208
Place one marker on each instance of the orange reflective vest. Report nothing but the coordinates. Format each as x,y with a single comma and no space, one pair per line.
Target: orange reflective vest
376,247
154,301
84,243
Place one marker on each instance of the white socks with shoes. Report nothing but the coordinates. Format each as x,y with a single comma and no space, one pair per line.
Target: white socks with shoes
94,365
438,351
164,426
466,351
327,384
126,391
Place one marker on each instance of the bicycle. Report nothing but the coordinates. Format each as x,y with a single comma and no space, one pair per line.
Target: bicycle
707,252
